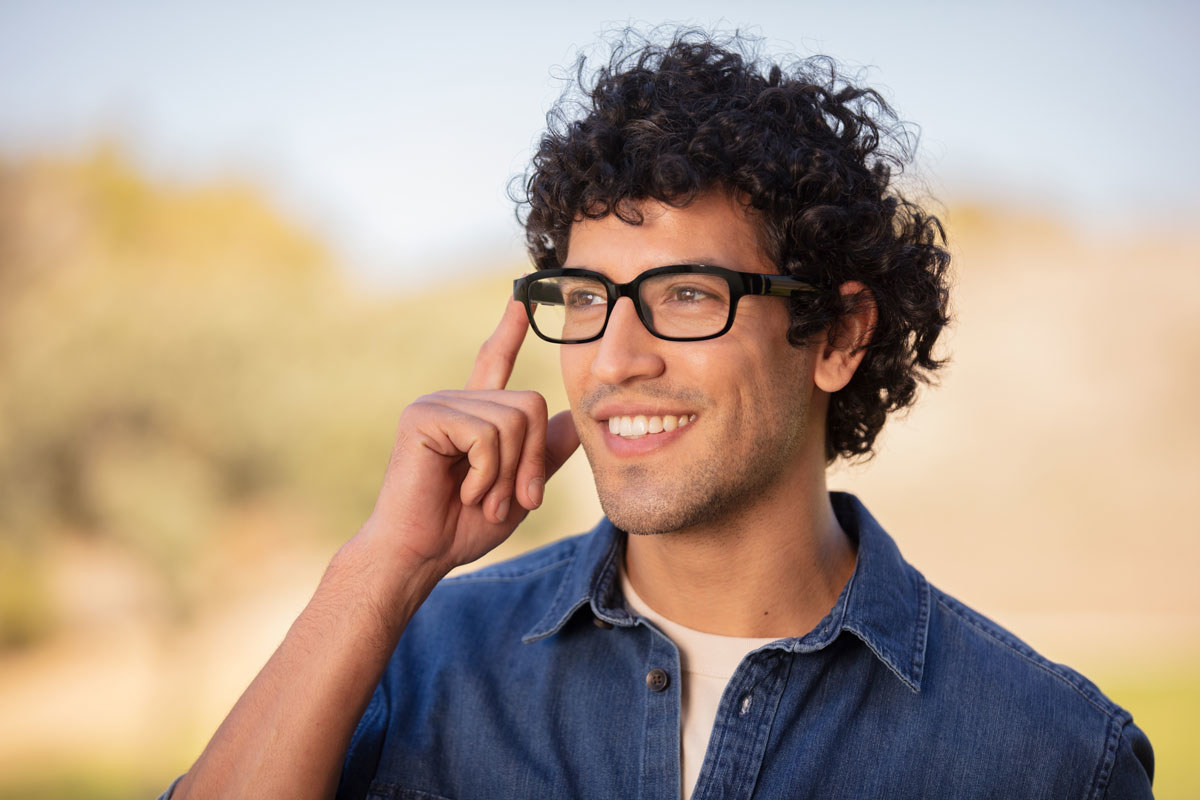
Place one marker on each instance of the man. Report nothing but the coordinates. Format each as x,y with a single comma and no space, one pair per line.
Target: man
741,298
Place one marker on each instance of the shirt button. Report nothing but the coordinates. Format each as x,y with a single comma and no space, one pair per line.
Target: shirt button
657,679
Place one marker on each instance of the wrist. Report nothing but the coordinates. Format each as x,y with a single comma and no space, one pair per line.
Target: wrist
389,582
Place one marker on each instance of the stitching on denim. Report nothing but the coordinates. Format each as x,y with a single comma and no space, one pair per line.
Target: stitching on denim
1108,759
916,659
539,630
1023,650
501,577
834,621
922,633
884,655
558,596
607,578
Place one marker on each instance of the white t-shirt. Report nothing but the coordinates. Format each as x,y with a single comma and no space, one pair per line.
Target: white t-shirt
708,662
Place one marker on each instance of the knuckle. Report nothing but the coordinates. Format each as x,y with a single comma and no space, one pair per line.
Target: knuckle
488,346
427,407
489,433
534,402
513,418
425,402
494,352
412,414
536,458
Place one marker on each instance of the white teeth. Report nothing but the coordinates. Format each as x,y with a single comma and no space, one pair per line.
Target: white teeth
641,425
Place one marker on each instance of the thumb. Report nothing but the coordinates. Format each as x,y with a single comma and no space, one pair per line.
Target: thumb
561,441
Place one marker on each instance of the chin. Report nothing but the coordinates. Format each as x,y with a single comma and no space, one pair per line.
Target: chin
652,508
639,522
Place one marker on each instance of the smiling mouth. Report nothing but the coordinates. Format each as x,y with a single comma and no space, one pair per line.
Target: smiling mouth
640,425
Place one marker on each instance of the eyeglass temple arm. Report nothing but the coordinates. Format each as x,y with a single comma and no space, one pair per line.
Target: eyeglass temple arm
537,292
781,286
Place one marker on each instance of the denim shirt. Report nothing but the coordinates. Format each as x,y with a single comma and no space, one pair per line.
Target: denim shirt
531,679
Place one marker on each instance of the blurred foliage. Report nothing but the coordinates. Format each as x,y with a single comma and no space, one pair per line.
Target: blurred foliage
171,354
25,604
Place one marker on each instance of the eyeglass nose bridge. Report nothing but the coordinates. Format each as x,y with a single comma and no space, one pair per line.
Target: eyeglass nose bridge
632,291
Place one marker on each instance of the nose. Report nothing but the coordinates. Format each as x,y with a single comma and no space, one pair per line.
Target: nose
627,350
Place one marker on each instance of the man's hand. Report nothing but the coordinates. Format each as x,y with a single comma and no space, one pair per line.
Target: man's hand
460,460
468,465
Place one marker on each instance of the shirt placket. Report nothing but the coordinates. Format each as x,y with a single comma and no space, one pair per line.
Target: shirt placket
743,727
660,754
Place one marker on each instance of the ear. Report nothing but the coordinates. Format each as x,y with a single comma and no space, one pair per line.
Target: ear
843,349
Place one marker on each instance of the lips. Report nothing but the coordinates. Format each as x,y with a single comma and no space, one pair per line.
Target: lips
639,425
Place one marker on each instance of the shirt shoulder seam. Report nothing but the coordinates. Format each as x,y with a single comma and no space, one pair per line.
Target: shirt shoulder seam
1029,655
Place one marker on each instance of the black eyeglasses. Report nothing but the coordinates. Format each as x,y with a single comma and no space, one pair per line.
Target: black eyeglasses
681,303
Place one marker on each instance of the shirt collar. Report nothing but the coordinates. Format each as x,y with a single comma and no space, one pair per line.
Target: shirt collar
591,576
885,603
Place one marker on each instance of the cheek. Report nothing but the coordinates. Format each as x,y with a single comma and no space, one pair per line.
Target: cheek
772,349
574,361
777,378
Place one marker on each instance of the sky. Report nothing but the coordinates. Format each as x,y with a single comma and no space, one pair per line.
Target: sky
393,129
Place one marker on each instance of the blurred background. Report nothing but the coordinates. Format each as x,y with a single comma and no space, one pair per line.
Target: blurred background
237,239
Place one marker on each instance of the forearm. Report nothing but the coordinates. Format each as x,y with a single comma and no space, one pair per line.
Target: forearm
287,735
465,469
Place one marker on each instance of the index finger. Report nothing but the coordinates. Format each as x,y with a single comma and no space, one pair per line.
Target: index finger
494,364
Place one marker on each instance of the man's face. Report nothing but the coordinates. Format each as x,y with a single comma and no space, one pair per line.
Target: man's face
735,411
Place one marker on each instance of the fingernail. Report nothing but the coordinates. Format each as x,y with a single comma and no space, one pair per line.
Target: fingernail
537,490
502,509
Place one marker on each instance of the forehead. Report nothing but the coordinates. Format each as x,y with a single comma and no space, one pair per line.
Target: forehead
714,229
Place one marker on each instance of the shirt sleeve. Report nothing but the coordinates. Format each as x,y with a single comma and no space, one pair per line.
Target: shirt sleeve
1133,768
170,789
366,746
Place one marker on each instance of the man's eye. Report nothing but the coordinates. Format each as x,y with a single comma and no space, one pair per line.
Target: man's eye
688,294
581,298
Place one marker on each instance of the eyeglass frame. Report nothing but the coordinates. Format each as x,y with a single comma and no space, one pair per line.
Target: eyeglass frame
740,284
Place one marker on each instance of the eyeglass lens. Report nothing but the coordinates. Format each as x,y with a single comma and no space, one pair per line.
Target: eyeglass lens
684,305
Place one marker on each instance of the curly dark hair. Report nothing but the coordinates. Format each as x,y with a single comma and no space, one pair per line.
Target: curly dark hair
812,156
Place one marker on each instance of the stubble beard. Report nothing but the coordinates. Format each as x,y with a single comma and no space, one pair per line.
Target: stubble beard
711,491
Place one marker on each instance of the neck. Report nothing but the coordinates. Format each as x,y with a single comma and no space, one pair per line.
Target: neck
774,571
